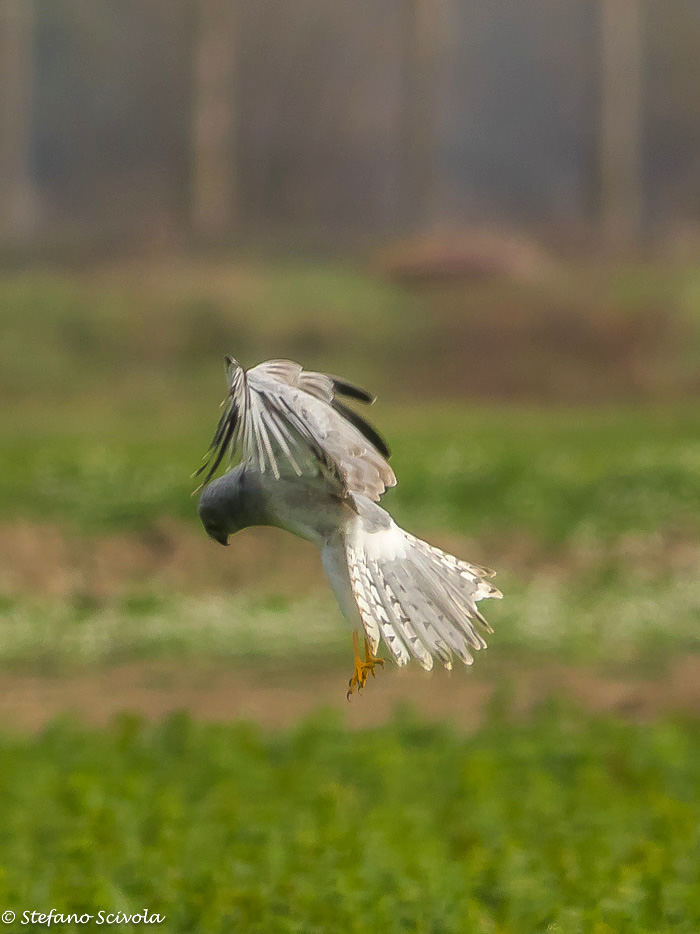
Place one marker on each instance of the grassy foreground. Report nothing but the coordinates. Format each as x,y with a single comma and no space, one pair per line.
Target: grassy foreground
568,823
593,619
565,824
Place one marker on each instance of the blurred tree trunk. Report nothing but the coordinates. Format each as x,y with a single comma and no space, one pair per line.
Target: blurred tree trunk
621,130
17,196
422,55
213,152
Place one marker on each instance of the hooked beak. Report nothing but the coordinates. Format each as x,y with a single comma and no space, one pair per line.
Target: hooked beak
219,537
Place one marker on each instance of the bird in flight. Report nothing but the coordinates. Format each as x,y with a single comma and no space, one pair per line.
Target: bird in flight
308,463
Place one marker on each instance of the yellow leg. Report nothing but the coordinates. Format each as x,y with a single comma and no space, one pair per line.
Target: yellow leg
362,669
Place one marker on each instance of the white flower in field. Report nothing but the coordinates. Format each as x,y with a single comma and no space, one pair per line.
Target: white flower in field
311,465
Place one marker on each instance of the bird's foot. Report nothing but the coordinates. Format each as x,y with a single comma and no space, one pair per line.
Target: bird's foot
363,667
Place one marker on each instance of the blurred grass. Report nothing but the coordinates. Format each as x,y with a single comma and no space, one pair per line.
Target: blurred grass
153,334
567,823
140,335
111,378
560,477
599,618
610,501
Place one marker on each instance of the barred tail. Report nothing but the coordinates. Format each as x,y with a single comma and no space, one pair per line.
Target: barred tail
419,599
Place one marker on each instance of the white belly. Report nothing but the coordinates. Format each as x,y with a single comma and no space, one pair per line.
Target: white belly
336,567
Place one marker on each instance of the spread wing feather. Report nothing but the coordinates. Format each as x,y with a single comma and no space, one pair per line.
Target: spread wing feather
279,417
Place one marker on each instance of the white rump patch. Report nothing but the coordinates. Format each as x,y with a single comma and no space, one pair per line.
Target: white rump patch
386,545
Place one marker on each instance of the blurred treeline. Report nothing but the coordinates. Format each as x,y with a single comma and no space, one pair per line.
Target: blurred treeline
158,118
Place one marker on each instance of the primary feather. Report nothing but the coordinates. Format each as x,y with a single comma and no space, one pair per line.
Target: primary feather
280,417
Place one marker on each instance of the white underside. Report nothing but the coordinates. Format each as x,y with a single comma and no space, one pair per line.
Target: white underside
335,565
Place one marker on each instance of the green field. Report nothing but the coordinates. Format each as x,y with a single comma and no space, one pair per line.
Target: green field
565,824
592,520
558,476
576,475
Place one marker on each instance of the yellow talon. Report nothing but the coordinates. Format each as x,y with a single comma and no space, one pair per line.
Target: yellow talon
362,668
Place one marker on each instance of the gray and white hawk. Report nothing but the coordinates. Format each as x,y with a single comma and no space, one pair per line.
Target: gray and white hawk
307,463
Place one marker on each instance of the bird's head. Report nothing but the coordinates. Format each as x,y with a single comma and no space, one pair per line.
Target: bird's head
214,527
225,506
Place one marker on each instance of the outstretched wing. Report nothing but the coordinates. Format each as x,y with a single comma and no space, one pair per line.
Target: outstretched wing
279,418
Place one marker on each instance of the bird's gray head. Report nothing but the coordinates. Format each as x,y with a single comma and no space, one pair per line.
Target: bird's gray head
222,506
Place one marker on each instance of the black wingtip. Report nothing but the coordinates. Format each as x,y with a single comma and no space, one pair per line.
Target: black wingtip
219,446
364,428
351,391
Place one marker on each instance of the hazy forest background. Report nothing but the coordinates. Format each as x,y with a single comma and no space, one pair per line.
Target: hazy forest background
487,212
156,121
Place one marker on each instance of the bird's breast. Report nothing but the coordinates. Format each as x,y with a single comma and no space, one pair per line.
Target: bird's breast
306,509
